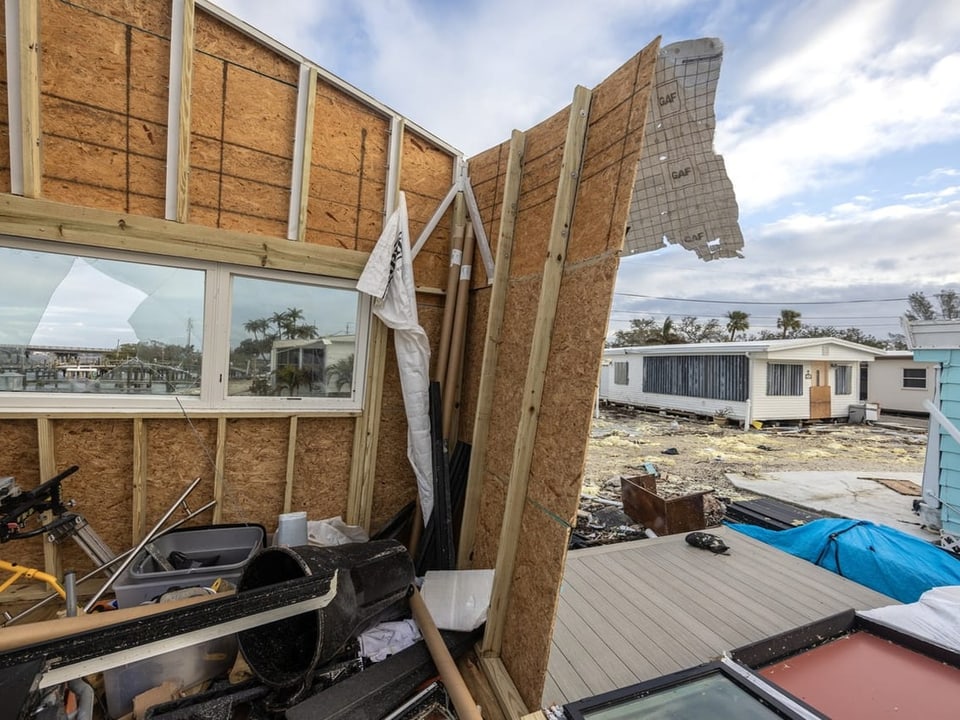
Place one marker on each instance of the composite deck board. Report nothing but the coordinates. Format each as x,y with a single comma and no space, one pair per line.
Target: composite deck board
651,607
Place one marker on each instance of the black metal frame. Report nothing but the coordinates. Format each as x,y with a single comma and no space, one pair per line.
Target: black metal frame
577,710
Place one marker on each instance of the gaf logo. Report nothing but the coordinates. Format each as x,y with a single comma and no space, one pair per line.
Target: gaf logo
682,173
669,99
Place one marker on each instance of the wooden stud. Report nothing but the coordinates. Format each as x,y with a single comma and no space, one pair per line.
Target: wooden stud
220,463
498,302
52,561
139,480
511,703
183,111
30,131
90,227
571,163
291,464
302,155
366,436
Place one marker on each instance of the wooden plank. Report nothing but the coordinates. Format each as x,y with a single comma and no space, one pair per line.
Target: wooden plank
52,560
488,371
302,154
182,33
219,466
90,227
139,481
536,370
500,681
30,130
291,465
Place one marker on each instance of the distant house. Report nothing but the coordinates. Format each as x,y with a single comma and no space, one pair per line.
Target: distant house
314,358
803,379
938,342
897,382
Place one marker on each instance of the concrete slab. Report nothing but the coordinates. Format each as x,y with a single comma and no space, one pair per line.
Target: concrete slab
847,494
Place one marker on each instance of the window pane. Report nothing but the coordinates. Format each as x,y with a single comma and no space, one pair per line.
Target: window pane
784,379
915,378
291,339
843,380
72,324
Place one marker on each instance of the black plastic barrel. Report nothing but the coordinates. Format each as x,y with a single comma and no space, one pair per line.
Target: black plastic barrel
373,581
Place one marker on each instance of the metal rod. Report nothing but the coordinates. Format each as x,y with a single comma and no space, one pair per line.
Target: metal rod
126,562
109,563
70,586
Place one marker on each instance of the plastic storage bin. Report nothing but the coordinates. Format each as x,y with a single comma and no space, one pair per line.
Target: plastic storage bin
220,551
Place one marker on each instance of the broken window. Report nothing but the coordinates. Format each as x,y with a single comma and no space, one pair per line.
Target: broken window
718,377
621,373
105,329
915,378
843,380
784,379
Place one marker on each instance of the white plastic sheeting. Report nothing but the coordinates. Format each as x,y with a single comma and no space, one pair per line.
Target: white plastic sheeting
934,617
388,278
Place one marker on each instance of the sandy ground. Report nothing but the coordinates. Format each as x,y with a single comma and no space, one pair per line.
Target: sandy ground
623,441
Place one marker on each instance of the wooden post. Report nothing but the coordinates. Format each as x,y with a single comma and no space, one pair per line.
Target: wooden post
30,99
52,561
179,109
139,480
503,687
491,345
302,154
572,161
291,464
220,462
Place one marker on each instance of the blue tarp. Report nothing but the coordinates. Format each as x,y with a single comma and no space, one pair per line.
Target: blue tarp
880,557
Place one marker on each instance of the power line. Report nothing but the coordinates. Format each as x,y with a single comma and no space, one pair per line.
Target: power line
763,302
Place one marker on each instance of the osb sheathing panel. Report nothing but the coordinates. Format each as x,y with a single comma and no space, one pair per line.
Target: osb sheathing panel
103,486
348,170
395,482
19,458
255,470
473,360
322,472
179,451
426,178
611,154
154,17
103,103
243,120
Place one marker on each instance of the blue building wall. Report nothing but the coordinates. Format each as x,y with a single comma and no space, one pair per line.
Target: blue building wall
949,448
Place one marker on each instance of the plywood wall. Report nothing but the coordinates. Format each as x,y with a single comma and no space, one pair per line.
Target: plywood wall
613,141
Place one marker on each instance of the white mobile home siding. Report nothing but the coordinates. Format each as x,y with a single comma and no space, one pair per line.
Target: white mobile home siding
886,379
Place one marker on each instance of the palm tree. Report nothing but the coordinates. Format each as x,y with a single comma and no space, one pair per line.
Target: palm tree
737,322
663,335
340,373
788,322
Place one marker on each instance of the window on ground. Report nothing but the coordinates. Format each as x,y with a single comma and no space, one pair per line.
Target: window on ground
784,379
621,373
82,328
843,380
915,378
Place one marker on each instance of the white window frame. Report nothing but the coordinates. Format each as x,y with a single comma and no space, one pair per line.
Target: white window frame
215,361
904,378
621,372
839,387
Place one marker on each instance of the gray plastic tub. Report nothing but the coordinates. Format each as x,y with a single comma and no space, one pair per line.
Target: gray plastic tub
219,551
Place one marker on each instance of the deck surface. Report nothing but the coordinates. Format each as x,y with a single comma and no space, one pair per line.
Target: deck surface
637,610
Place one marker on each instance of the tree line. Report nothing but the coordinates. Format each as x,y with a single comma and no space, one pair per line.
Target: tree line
690,329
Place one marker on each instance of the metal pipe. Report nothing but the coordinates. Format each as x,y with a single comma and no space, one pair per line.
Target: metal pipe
109,563
70,586
129,559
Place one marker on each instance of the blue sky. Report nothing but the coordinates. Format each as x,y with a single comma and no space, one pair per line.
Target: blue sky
839,123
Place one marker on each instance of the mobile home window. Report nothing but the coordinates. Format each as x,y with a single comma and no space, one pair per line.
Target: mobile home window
915,378
783,379
842,380
718,377
86,328
621,373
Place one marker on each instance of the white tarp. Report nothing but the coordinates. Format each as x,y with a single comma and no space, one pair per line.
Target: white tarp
934,617
388,278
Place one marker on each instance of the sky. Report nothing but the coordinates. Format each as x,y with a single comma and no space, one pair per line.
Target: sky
839,124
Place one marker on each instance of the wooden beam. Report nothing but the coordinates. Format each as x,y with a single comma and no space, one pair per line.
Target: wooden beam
139,480
52,561
491,351
366,436
302,154
218,474
503,687
90,227
182,30
571,163
30,96
291,464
